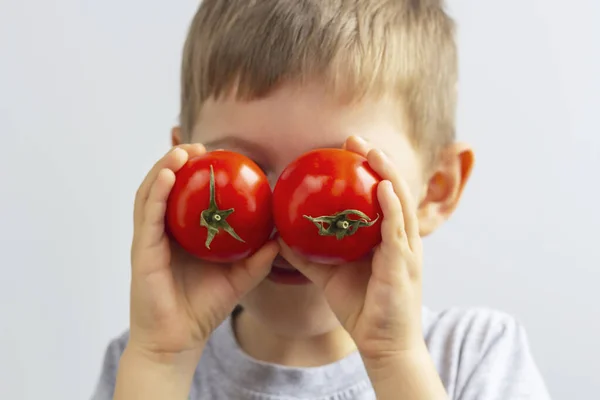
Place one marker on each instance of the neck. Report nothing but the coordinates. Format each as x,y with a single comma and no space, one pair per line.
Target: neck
260,343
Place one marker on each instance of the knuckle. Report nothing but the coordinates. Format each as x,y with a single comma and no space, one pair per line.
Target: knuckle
169,152
399,233
138,197
395,236
139,191
398,242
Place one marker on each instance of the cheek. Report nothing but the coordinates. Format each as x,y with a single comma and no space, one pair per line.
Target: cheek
411,172
417,189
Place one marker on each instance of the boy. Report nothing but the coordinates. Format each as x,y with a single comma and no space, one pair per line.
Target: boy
273,79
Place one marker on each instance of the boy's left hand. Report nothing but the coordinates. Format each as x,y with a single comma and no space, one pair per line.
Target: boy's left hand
378,300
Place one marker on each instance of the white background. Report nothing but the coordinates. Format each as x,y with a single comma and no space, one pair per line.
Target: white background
89,91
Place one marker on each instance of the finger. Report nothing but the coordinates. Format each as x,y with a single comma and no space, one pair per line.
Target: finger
247,274
319,274
194,149
395,248
392,227
384,167
153,225
388,266
357,145
173,160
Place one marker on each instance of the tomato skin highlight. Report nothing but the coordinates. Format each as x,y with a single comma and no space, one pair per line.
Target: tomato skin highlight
326,182
239,184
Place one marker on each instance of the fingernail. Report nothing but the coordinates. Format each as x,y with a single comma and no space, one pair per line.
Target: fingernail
361,139
383,155
178,150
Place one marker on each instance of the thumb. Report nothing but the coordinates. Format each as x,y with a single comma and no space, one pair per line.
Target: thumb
319,274
245,275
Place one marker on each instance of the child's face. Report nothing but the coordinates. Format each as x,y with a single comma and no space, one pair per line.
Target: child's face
273,132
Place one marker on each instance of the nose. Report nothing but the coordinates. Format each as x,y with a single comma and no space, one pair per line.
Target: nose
272,180
273,176
274,234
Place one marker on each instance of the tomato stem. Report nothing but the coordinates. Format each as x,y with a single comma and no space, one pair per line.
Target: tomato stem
340,225
214,219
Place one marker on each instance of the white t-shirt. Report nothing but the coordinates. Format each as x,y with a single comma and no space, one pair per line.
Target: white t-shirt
480,355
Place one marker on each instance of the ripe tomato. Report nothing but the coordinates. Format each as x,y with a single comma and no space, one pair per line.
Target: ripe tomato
220,207
325,206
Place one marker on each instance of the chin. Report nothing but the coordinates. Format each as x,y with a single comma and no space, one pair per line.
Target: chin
295,311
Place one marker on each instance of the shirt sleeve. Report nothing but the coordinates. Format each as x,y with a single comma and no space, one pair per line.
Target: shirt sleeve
505,369
105,387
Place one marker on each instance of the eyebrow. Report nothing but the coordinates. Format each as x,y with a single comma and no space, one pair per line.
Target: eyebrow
255,148
236,142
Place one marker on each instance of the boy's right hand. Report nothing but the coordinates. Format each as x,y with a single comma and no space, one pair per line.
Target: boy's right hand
176,299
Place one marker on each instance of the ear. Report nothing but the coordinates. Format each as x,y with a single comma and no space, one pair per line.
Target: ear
176,136
445,187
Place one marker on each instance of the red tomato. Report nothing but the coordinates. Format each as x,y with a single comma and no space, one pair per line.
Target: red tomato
325,206
220,207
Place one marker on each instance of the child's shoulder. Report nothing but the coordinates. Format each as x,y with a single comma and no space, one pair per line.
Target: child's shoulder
477,350
478,323
472,332
105,386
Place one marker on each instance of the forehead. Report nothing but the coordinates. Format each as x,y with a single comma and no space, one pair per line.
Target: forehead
292,120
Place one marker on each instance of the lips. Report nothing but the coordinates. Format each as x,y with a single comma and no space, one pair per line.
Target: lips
284,273
282,263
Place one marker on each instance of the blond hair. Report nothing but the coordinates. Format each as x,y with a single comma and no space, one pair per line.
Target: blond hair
403,48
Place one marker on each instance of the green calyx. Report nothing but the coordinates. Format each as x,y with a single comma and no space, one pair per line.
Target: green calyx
214,219
340,225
